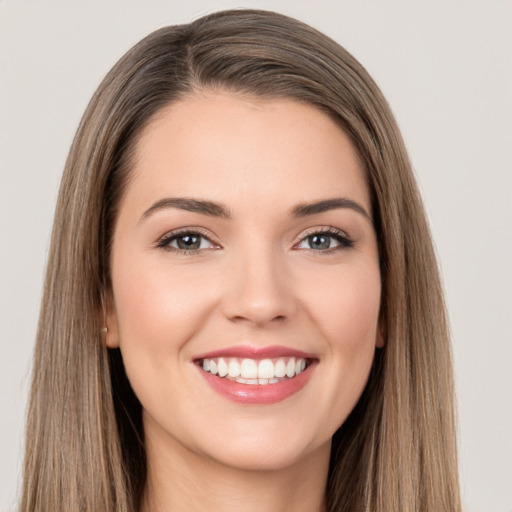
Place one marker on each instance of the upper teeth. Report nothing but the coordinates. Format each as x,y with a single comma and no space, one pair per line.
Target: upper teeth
232,367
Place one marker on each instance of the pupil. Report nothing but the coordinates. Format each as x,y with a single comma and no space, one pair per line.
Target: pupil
319,242
189,242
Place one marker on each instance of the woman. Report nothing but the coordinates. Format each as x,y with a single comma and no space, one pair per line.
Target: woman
242,305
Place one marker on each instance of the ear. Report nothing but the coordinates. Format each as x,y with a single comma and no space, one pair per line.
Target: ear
110,328
380,339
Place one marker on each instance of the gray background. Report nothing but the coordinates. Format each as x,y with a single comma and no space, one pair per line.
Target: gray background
445,67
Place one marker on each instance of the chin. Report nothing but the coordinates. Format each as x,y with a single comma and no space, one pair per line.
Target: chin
273,452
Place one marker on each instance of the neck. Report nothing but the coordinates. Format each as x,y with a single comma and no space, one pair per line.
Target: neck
180,480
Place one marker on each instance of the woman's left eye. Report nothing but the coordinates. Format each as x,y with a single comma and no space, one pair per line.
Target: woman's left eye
186,241
325,241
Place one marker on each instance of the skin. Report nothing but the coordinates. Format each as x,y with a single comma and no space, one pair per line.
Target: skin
257,281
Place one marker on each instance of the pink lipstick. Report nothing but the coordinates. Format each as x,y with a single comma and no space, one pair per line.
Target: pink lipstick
254,375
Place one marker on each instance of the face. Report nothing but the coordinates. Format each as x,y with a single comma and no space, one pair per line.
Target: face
245,280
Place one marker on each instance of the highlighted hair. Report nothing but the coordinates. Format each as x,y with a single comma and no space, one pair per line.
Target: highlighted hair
85,444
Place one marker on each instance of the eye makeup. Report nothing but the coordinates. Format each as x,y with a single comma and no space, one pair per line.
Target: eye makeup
186,241
320,240
191,241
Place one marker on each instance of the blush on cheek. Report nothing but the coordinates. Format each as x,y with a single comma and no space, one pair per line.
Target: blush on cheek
159,304
351,316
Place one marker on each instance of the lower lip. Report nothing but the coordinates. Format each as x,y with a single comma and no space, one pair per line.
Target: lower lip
258,393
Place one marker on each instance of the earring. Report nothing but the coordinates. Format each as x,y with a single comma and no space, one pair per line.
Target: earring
104,330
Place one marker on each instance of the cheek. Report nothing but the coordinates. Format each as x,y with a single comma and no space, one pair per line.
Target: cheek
158,310
349,324
157,307
346,307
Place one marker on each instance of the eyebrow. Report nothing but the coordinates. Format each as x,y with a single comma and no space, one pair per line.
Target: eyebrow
213,209
305,209
190,205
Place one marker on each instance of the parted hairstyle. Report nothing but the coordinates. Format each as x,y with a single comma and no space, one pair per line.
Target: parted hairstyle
396,452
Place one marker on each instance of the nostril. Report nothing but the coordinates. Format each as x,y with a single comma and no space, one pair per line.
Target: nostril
253,319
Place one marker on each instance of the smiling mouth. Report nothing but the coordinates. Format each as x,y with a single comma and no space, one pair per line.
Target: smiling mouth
254,371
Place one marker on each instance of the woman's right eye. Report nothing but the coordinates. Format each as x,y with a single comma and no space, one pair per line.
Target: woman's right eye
189,242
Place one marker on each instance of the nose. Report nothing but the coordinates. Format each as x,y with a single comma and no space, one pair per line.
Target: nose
259,290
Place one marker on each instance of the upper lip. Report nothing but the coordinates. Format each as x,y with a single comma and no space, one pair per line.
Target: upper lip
252,352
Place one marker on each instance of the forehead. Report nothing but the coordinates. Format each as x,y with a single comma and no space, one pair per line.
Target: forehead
225,146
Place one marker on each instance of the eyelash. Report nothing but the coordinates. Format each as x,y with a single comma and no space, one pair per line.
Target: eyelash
164,242
345,242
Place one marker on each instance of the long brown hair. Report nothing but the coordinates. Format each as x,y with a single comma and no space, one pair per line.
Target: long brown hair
85,443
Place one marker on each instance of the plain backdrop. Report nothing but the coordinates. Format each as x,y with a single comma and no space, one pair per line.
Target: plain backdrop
445,67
